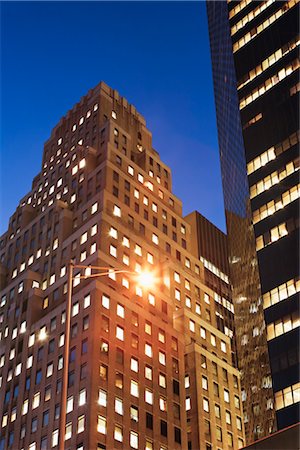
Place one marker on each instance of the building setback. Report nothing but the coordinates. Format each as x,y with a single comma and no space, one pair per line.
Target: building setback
148,368
255,58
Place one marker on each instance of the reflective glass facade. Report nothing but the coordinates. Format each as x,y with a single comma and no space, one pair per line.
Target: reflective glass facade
255,57
252,349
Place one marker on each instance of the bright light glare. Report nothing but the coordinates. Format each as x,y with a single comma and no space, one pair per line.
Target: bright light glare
42,335
146,279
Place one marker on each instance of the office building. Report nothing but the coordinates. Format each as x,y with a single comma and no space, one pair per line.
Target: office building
255,59
146,367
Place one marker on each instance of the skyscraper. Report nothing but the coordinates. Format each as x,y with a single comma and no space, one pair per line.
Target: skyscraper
146,367
255,59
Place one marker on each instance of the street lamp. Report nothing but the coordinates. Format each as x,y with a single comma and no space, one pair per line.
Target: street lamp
145,279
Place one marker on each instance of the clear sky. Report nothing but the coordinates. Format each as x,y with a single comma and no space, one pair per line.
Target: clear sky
156,54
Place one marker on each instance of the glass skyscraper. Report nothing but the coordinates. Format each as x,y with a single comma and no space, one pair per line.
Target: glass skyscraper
255,59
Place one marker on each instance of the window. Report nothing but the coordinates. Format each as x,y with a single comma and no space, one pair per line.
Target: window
134,413
134,365
162,380
148,350
204,383
205,404
226,396
148,373
148,396
134,440
101,426
105,301
188,403
162,358
120,333
118,433
119,406
228,417
134,388
80,426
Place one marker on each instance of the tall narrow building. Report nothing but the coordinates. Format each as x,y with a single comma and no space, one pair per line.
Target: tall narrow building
255,59
146,368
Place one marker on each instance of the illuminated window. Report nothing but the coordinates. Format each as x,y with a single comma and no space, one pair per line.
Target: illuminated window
130,170
162,380
55,435
134,388
118,433
36,400
119,406
80,424
205,404
148,350
120,311
226,396
162,358
155,239
192,326
134,440
202,333
148,396
116,211
102,398
148,373
101,425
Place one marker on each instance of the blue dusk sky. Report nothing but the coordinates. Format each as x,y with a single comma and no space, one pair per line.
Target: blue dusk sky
155,54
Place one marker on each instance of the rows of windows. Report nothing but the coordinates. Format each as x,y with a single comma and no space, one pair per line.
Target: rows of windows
287,396
210,266
241,5
203,332
252,121
272,153
268,62
274,178
250,16
265,24
133,438
275,205
283,325
282,292
271,236
269,83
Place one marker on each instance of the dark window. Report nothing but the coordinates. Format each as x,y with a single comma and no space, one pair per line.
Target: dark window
40,353
142,229
175,387
115,176
84,346
74,330
163,428
44,443
72,354
127,185
164,307
57,411
51,346
45,418
71,379
149,421
27,384
83,371
38,377
85,323
119,356
177,435
7,397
